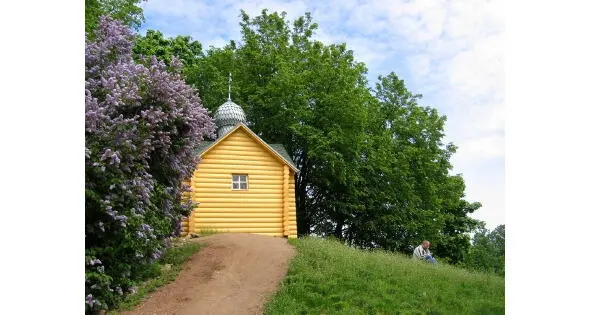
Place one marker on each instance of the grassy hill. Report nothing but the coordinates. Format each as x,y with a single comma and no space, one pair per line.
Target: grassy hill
327,277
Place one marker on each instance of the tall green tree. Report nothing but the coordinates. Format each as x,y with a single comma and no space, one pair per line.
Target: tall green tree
210,76
487,252
128,12
406,170
154,43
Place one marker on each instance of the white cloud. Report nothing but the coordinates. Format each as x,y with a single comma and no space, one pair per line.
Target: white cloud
486,147
478,71
215,42
449,51
420,66
178,8
484,185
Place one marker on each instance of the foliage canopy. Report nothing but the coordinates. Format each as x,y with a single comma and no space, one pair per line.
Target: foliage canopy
128,12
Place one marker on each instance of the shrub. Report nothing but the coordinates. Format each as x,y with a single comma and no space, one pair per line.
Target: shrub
143,123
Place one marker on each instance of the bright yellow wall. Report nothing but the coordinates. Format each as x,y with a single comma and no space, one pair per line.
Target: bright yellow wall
293,228
260,209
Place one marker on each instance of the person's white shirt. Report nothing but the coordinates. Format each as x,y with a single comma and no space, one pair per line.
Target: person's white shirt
420,252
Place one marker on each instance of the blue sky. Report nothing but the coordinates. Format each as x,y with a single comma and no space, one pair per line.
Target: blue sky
449,51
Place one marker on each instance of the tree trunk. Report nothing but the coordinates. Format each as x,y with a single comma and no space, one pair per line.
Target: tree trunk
303,217
338,231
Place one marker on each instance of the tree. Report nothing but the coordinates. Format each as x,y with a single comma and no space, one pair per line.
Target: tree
164,49
143,124
127,11
487,252
406,189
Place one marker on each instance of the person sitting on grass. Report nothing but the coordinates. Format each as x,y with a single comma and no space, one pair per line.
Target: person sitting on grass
422,252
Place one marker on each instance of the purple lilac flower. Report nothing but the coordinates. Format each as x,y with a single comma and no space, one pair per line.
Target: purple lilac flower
147,228
156,254
90,300
115,159
109,210
123,144
101,269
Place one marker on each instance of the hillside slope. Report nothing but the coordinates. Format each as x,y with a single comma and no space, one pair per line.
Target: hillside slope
327,277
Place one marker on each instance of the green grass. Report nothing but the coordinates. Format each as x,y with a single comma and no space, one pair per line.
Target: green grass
326,277
157,276
207,231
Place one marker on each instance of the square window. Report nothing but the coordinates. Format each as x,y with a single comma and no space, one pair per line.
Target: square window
239,182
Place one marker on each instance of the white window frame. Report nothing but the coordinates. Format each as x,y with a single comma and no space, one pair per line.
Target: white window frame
241,180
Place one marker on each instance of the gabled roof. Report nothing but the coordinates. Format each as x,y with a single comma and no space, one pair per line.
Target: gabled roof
203,146
276,149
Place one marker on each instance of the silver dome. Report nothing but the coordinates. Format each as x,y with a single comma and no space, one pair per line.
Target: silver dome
227,116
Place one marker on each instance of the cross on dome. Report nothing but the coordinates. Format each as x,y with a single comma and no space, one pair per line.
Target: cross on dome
229,114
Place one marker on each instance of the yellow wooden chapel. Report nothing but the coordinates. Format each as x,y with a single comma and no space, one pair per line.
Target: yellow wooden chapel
242,184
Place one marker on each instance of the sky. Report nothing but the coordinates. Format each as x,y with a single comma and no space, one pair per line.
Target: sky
451,52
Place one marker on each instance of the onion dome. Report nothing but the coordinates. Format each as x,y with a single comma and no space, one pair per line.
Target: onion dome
227,116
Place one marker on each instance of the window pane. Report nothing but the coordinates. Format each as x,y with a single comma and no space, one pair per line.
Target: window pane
243,178
234,185
242,185
235,178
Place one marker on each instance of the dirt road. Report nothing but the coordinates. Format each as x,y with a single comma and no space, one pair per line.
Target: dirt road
233,274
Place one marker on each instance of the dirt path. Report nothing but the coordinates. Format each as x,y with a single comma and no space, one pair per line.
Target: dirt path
233,274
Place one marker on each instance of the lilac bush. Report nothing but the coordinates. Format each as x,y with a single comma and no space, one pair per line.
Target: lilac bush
143,123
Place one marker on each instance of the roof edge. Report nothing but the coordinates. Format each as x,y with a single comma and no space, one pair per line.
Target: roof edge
257,139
